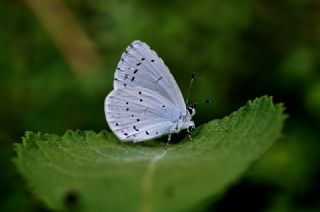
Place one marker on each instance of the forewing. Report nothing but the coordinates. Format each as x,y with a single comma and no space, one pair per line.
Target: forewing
141,66
139,114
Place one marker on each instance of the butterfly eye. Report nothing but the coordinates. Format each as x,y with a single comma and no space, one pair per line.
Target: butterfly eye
191,110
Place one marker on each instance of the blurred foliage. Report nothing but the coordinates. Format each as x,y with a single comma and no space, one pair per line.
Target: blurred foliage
238,49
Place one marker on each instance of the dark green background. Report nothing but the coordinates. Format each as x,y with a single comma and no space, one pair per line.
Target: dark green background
239,50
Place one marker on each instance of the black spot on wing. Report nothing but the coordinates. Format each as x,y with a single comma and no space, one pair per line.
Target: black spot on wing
160,78
135,128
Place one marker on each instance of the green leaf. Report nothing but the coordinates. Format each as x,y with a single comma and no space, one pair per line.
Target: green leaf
96,172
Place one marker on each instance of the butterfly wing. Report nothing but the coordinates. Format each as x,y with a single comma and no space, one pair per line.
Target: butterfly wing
141,66
139,114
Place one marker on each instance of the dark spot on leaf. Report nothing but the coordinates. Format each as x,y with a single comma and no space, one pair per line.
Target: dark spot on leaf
138,64
147,132
122,59
132,115
117,124
132,79
152,61
126,51
143,59
126,76
141,100
140,92
118,68
125,134
127,103
163,106
157,133
138,119
127,109
71,198
124,84
135,71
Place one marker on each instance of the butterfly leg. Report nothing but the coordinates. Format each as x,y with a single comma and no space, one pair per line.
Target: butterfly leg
189,134
189,130
169,138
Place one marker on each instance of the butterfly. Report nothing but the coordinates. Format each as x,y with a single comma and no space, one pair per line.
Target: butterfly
146,101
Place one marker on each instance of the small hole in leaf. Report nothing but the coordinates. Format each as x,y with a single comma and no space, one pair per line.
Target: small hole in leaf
71,198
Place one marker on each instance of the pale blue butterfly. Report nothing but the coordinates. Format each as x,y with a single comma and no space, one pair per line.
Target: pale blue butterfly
146,102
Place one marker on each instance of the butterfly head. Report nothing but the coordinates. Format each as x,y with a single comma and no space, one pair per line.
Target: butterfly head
191,110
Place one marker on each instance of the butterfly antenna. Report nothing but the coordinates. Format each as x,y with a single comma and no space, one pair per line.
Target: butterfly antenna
190,87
